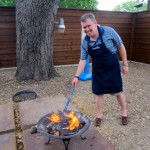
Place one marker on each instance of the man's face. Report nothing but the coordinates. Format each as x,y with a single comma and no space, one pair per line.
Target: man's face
89,27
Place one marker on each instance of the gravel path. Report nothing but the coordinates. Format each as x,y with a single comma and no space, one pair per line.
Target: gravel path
134,136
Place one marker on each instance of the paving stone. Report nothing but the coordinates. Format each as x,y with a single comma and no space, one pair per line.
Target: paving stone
31,111
6,118
8,141
94,141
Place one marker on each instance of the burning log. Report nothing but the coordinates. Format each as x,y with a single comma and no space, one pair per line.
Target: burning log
49,127
54,128
64,124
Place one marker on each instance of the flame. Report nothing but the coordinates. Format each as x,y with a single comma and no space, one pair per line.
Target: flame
74,121
54,118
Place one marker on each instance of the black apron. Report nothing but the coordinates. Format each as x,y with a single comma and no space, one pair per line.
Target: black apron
106,74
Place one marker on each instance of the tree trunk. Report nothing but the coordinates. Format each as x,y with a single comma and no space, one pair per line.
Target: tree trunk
35,22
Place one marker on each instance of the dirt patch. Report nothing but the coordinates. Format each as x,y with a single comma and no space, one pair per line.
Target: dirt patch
136,135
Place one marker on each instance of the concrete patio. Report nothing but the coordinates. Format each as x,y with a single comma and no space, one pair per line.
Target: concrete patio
30,112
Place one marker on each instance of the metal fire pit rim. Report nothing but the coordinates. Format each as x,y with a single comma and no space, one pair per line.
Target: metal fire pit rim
40,127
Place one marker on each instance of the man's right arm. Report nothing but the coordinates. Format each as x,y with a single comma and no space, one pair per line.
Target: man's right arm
80,69
82,62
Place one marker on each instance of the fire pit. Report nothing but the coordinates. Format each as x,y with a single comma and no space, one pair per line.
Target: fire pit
63,125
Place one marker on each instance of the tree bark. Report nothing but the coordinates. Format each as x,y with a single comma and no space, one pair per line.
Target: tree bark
35,23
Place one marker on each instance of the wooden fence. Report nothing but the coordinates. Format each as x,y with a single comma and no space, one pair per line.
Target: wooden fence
7,37
141,41
134,29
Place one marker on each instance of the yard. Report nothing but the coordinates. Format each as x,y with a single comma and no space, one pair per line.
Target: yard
135,136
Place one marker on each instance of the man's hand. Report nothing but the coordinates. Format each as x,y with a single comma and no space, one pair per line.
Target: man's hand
125,69
75,81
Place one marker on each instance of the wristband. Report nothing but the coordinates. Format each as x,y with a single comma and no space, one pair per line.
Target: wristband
76,77
125,65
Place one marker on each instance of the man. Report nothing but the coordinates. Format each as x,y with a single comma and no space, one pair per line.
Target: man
102,43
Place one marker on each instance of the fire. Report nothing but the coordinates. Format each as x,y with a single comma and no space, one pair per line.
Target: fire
73,122
69,119
54,118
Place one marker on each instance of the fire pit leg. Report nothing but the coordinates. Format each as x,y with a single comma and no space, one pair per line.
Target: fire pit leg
66,143
83,138
46,143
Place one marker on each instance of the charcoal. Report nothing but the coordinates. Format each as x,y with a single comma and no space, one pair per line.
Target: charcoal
64,132
50,126
81,125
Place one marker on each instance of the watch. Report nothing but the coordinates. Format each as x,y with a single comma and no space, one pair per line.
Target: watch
76,77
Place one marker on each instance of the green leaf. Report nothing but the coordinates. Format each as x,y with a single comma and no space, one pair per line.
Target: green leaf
80,4
129,6
7,2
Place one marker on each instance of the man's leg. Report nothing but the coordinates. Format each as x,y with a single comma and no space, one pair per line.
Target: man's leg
99,108
99,105
122,103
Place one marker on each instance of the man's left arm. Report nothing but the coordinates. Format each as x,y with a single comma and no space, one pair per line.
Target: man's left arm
123,55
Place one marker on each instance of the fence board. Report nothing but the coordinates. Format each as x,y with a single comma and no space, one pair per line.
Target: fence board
8,50
142,30
7,38
8,57
7,19
6,32
141,46
8,63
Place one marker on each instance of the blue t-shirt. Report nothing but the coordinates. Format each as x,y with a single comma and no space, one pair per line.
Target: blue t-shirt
110,38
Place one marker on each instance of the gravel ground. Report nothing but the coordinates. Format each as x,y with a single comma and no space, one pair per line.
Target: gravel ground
134,136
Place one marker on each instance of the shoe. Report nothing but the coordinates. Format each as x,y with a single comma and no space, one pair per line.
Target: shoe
124,120
98,122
